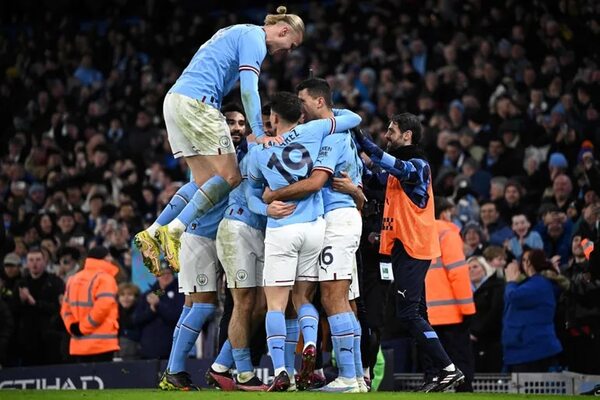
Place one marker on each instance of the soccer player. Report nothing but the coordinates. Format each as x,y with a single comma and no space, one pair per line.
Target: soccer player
337,157
409,237
197,130
240,247
293,243
198,281
198,275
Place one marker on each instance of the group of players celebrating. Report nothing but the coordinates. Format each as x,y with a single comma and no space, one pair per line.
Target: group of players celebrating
280,214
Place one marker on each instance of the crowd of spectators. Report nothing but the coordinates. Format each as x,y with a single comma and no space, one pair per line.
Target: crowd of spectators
507,93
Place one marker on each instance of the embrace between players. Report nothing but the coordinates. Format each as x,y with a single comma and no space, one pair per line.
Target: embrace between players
279,211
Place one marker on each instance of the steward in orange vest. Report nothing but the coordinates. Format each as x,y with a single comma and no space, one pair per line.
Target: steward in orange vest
409,236
449,294
89,309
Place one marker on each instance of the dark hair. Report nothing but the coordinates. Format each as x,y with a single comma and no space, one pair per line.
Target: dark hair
287,105
406,122
486,202
537,259
232,107
266,109
441,204
317,87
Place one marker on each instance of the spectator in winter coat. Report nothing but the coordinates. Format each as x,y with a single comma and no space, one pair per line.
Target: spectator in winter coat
486,324
529,338
129,333
39,318
156,315
582,314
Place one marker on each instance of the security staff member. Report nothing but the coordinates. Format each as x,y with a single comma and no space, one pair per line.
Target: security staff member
90,311
449,294
409,236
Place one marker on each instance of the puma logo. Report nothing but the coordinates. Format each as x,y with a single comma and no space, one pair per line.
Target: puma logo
345,349
171,205
324,269
403,293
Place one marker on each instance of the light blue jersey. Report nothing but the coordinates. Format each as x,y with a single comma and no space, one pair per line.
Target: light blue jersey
237,207
207,225
338,154
233,53
286,163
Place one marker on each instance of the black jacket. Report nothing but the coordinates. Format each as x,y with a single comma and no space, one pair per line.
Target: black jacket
486,324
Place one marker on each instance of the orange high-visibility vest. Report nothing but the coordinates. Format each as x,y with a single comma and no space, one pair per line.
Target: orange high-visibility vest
405,221
447,285
91,299
588,247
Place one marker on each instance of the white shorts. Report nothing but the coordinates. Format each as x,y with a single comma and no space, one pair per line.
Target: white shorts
241,250
291,253
199,264
195,128
354,290
342,237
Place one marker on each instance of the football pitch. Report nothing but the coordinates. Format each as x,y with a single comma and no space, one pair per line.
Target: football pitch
146,394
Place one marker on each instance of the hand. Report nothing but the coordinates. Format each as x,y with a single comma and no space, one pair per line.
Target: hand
512,272
279,209
268,141
344,184
555,260
268,196
251,138
75,331
26,296
152,300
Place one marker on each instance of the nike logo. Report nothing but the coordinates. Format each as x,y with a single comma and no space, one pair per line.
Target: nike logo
278,348
403,293
345,349
310,326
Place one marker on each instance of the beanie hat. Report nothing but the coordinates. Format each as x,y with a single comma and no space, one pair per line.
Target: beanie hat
557,160
98,252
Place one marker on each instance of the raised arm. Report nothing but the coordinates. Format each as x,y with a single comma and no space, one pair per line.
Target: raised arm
252,52
403,170
345,120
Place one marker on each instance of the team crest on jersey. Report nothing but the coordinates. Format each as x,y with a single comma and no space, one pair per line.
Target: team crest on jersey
202,279
224,141
241,275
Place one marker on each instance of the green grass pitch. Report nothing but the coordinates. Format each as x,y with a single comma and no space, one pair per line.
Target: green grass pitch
146,394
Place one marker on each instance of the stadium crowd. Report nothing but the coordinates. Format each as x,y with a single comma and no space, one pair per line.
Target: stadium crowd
507,96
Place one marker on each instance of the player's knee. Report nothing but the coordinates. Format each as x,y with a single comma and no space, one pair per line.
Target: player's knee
233,178
243,300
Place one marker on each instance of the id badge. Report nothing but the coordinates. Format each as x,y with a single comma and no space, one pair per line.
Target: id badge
385,271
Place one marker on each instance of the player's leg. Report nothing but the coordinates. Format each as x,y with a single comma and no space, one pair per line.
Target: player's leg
409,287
198,279
146,241
163,384
258,340
336,268
199,133
281,257
292,335
353,295
303,292
237,248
